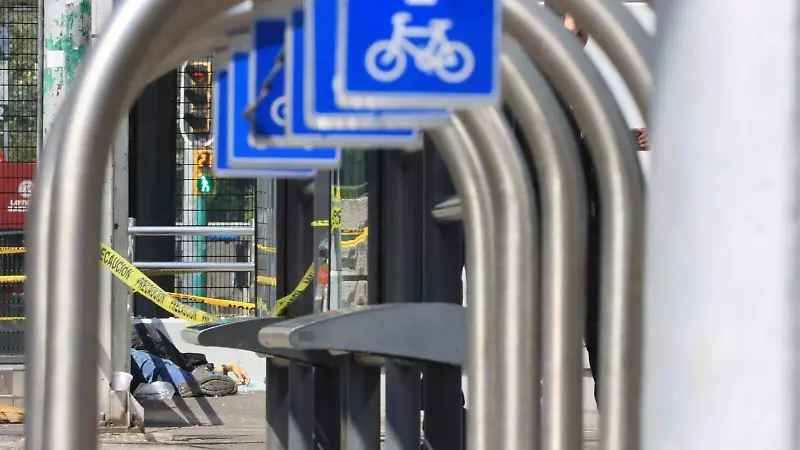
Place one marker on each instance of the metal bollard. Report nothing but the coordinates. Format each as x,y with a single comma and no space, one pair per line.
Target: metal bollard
400,278
621,190
516,272
564,212
443,259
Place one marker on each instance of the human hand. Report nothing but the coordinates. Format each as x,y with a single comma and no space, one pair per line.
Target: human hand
643,139
572,26
238,372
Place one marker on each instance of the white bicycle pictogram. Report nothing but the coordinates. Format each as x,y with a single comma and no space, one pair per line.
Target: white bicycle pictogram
386,60
277,111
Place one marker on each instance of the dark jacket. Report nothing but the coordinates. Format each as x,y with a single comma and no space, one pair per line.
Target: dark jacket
148,338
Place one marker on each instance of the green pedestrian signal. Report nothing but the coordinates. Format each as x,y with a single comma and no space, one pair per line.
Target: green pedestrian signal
205,184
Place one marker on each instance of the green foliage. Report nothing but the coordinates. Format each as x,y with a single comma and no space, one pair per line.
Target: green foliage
233,201
21,110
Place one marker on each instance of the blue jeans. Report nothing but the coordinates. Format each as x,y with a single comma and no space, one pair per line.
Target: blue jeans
156,369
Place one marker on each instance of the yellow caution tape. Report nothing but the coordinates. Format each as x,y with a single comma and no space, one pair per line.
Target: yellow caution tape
336,220
266,281
11,250
266,249
136,280
357,241
216,301
10,279
139,282
284,302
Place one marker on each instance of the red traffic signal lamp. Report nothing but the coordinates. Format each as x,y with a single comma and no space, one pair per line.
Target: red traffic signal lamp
197,93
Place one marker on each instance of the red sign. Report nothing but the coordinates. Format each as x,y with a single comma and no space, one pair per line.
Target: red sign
16,183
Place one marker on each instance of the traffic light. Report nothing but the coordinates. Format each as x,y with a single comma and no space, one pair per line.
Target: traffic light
197,93
205,184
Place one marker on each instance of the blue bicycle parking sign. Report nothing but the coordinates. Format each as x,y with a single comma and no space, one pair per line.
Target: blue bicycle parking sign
220,108
319,107
418,53
296,127
267,85
243,155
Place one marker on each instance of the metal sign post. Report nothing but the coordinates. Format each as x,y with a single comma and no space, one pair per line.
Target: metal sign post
400,254
442,261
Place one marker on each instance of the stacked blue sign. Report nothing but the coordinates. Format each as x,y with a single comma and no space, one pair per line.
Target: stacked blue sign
319,106
356,73
242,153
414,53
296,126
220,113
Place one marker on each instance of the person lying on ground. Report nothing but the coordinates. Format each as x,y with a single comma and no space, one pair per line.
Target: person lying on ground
205,380
155,358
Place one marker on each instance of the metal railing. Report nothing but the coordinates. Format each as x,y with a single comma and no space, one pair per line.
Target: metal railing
189,267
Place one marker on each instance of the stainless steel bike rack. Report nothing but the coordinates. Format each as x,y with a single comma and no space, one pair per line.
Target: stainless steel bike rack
622,38
108,72
613,152
564,212
37,287
489,169
475,184
516,277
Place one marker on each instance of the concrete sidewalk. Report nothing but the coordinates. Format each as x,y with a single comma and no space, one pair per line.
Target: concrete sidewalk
235,422
223,422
